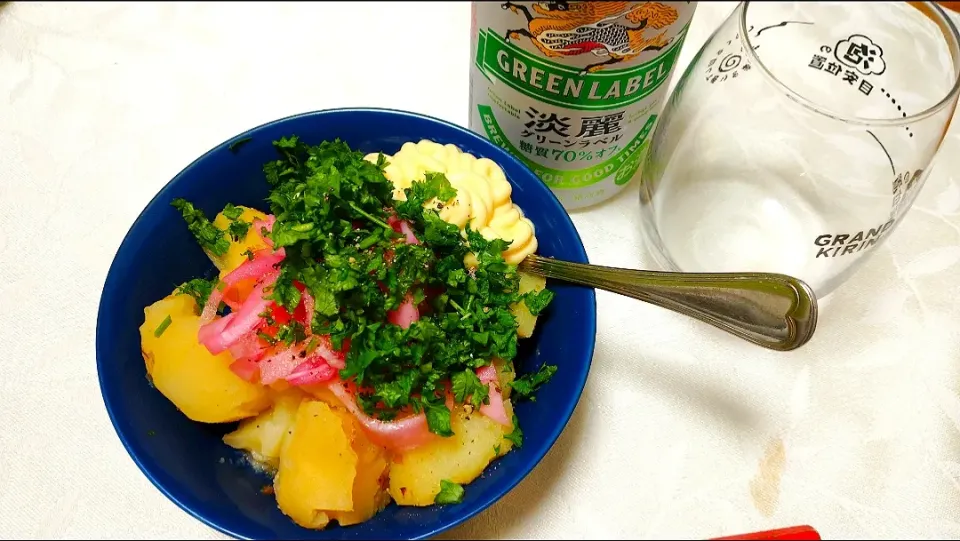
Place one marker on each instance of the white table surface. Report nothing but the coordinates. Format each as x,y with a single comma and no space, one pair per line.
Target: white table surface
682,431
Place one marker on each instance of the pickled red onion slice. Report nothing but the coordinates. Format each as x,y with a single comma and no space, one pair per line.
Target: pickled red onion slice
324,349
262,263
213,302
281,364
248,348
402,226
401,434
308,306
408,231
244,320
245,369
405,315
286,363
208,331
266,223
495,409
311,372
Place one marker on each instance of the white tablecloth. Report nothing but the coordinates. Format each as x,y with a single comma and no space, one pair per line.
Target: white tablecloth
682,431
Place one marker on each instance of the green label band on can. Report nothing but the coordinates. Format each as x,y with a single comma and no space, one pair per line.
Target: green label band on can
574,89
568,87
624,163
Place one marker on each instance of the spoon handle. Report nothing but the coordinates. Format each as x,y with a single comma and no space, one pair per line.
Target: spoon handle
771,310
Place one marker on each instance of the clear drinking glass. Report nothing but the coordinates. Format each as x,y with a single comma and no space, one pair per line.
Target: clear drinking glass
798,137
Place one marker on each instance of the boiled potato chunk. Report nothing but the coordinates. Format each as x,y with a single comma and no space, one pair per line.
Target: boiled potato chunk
201,385
251,241
323,393
318,467
369,487
525,320
416,474
262,436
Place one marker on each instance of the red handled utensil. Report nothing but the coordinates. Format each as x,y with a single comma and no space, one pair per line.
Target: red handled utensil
794,533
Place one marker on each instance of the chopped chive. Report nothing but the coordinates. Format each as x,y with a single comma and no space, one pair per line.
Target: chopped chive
370,217
163,326
370,240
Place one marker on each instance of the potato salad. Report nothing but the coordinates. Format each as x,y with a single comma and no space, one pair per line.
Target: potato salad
361,327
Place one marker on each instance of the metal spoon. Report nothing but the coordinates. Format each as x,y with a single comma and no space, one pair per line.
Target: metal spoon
771,310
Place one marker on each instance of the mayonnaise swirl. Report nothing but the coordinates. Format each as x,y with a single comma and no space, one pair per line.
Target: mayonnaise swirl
483,193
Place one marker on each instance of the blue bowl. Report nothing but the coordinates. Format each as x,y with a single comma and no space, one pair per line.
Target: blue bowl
188,461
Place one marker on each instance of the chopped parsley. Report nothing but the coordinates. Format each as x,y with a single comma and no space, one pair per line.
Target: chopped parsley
237,228
198,288
515,436
450,493
536,301
526,385
208,235
466,385
333,217
162,326
232,211
290,333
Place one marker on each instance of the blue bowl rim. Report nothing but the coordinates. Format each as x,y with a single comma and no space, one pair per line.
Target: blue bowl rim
493,496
